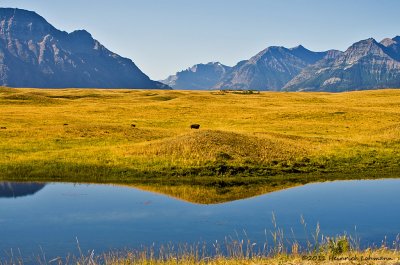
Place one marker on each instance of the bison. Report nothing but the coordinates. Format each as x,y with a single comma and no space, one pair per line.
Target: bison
195,126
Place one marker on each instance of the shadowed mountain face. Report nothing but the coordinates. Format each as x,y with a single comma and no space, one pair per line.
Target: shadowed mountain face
15,189
367,64
392,47
35,54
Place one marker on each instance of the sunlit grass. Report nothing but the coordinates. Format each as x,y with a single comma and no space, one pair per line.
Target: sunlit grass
87,135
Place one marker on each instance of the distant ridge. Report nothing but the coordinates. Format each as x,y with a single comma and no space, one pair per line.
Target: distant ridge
198,77
270,69
366,64
33,53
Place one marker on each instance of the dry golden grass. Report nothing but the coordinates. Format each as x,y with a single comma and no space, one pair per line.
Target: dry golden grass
210,145
86,134
354,258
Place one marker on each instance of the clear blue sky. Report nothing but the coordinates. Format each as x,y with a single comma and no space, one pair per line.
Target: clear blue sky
164,36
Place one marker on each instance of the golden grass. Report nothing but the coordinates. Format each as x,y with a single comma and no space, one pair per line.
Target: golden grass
210,145
86,134
382,257
326,250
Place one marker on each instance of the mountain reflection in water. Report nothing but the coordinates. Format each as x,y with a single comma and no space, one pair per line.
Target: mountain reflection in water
17,189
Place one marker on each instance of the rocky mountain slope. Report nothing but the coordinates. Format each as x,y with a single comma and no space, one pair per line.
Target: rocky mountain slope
367,64
270,69
35,54
198,77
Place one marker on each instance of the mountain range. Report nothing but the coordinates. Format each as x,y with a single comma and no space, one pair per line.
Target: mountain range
33,53
366,64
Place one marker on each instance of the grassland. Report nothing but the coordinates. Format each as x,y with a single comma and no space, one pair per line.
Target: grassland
248,144
380,256
377,257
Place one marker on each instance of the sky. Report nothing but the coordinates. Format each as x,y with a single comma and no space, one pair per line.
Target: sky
166,36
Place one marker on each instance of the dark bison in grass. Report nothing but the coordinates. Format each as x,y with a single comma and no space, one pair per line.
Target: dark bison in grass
195,126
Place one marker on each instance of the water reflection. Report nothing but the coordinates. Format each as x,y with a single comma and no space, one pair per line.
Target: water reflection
105,217
16,189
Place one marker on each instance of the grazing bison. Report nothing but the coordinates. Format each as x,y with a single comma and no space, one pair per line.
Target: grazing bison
65,124
3,128
133,125
195,126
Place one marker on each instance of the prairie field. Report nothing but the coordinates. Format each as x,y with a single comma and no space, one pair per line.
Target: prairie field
247,143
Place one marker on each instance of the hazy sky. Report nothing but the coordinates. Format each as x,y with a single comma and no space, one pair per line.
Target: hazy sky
164,36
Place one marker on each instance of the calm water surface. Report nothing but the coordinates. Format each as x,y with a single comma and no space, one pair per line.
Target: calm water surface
51,216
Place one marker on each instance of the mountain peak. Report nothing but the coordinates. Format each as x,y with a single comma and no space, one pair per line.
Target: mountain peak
202,66
10,12
298,47
37,54
275,49
81,33
306,55
268,52
214,63
20,17
364,47
24,24
198,77
368,41
364,43
387,42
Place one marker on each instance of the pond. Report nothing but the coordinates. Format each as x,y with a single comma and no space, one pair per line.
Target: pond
50,218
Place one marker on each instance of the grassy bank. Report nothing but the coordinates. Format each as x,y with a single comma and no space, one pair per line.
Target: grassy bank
381,257
320,250
255,142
